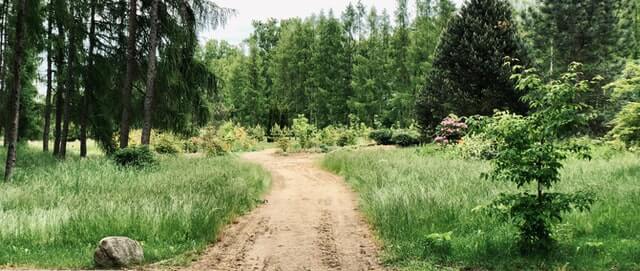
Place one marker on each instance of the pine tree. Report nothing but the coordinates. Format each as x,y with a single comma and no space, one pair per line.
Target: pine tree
403,94
330,65
468,75
629,25
564,31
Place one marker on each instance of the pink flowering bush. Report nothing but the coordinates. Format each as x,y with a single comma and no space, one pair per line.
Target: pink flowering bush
451,130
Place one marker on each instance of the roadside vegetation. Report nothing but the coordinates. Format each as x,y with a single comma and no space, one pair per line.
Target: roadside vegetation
425,205
54,212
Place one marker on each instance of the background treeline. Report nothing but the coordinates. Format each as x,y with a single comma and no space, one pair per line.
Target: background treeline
365,62
378,65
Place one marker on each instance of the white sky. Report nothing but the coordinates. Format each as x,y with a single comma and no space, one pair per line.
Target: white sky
239,27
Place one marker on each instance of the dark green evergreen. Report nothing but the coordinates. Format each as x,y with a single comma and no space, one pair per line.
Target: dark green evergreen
468,75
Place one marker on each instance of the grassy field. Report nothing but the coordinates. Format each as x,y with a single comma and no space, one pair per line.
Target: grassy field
54,213
408,194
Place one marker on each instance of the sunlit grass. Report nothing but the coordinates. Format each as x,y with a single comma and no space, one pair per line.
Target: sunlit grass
54,213
407,194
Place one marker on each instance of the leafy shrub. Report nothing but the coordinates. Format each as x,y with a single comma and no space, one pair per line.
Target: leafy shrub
284,143
303,131
215,147
282,137
347,137
359,128
476,146
211,143
626,125
382,136
191,145
406,137
166,144
136,157
258,133
328,136
450,130
234,138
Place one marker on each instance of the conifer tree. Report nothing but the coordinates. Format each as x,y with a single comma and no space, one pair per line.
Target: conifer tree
468,75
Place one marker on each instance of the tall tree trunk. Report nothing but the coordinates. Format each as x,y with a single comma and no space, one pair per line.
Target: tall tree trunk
4,20
128,81
14,96
47,108
71,82
151,75
59,83
88,91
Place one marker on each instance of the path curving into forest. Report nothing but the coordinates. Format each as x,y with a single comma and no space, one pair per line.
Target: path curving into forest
309,221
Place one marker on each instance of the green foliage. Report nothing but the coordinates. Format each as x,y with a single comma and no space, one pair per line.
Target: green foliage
408,194
136,157
234,137
191,145
382,136
167,143
528,153
284,143
257,133
625,94
347,137
476,146
468,76
437,243
627,125
55,212
303,131
406,137
329,136
282,136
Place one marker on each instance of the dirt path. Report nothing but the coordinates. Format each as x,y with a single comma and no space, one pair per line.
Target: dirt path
309,222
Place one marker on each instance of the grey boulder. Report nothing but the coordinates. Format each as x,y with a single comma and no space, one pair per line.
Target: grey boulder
115,252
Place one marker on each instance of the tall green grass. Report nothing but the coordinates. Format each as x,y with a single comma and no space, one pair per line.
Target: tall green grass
54,212
408,194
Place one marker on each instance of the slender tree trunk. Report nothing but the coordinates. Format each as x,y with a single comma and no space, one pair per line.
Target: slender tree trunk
59,84
70,86
88,91
151,75
14,97
3,40
47,107
128,81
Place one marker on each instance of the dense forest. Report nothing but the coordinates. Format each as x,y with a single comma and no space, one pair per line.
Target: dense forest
108,66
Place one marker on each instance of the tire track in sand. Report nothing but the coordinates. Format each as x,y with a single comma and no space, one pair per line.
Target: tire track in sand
309,222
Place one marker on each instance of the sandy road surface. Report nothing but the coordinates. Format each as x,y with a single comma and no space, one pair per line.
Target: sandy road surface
309,222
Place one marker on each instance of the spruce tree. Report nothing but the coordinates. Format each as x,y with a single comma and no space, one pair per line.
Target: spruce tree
468,75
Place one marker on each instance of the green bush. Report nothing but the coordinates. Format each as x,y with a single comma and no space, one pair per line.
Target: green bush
406,138
191,145
476,146
284,143
303,131
166,144
627,125
382,136
136,157
257,133
329,136
347,137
